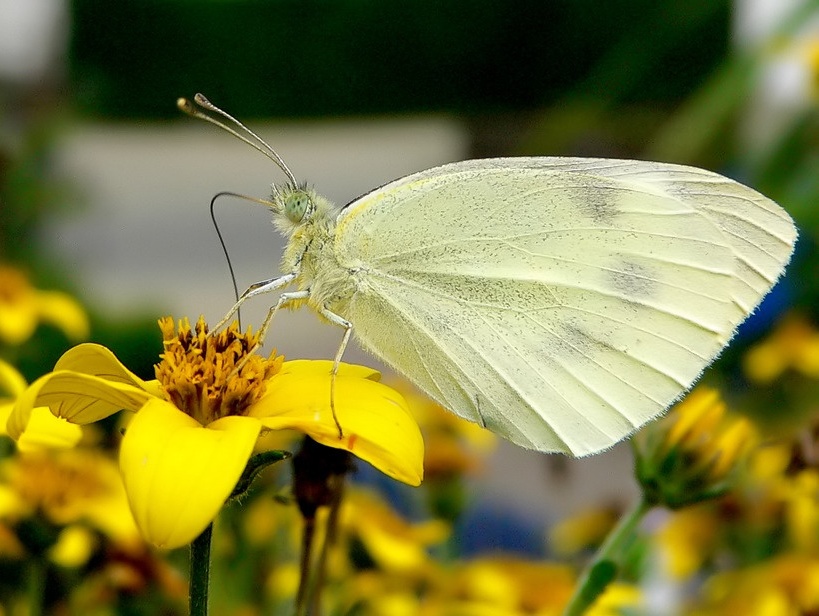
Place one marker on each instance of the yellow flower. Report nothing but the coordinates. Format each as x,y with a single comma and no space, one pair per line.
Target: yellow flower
44,430
793,345
687,539
373,592
68,487
455,449
393,543
802,510
690,455
283,581
394,604
617,599
196,425
786,584
507,585
22,307
74,546
455,446
582,530
780,496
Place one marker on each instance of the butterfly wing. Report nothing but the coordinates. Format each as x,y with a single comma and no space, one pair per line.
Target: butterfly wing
560,302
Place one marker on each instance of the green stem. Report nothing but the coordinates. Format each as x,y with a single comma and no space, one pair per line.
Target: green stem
603,568
37,570
200,573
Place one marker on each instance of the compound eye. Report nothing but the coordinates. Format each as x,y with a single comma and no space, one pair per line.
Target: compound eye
296,205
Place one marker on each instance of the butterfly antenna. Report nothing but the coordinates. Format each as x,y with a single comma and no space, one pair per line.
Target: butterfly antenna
260,145
222,239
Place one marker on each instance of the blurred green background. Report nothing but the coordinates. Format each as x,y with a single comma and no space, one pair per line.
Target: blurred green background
264,58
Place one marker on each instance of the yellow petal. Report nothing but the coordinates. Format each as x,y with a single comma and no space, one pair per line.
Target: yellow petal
376,423
17,322
394,543
178,473
324,367
696,414
764,363
587,528
96,360
64,312
12,383
44,430
807,360
73,548
12,505
729,445
110,511
392,552
78,398
614,598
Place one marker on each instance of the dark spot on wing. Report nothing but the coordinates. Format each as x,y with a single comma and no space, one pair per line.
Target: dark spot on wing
597,203
632,280
574,341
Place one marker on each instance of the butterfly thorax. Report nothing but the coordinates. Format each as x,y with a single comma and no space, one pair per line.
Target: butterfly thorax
310,252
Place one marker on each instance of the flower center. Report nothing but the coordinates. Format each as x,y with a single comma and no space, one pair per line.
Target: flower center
212,376
59,481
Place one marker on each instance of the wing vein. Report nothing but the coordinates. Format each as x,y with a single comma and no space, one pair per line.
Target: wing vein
619,297
566,371
420,327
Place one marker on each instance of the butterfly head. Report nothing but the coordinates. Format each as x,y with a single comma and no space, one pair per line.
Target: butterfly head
297,204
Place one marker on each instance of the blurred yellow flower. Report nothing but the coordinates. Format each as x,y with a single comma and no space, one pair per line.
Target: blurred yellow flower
686,540
10,546
265,521
195,427
507,585
584,529
67,487
283,581
22,308
781,499
689,455
811,52
393,543
394,604
793,345
370,592
768,463
802,511
616,600
785,585
455,446
74,546
44,430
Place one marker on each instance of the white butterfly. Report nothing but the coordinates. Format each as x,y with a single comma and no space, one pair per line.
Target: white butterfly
560,302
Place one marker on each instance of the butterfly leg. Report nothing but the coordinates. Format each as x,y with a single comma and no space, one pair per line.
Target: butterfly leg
284,299
348,330
257,288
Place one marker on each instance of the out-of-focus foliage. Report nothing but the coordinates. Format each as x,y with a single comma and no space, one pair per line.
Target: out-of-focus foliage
296,58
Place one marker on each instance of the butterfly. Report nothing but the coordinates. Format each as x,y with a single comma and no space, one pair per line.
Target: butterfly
560,302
